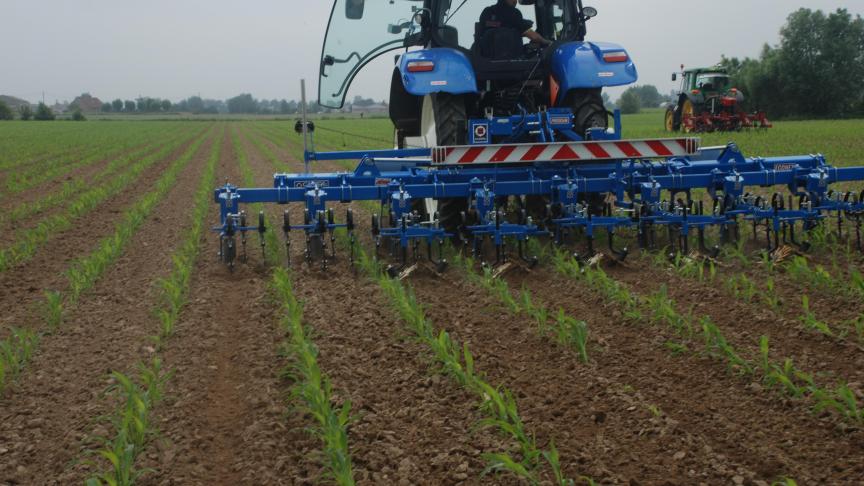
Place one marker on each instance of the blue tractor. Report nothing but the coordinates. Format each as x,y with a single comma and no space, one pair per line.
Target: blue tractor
453,70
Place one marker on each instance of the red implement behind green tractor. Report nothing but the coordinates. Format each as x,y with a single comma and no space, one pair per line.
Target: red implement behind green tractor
706,102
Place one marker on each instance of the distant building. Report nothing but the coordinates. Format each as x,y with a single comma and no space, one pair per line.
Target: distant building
59,108
87,103
13,102
375,109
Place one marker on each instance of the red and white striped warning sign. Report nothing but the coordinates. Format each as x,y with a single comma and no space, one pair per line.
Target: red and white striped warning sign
565,151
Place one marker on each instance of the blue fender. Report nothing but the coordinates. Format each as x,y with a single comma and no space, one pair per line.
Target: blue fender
452,72
580,65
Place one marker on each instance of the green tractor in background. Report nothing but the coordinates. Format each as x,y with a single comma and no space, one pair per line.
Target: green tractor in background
707,102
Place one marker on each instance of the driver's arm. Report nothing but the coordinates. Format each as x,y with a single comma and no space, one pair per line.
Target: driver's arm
536,38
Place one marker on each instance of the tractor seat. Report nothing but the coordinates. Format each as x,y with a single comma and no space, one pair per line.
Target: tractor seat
498,55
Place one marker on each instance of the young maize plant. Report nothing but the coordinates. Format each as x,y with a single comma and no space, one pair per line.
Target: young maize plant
133,429
28,241
15,352
797,383
567,331
661,310
810,321
312,389
769,295
693,269
742,287
816,277
598,280
716,344
175,288
52,309
497,403
84,272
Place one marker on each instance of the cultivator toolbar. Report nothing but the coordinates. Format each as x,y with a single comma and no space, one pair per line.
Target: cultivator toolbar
579,194
559,185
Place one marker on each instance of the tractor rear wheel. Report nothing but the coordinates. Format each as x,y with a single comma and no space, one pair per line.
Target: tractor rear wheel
687,111
588,110
444,122
670,124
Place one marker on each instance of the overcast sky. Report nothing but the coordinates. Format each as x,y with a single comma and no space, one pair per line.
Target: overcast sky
220,48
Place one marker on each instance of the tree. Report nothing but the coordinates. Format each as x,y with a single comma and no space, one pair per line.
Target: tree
44,113
25,112
196,104
107,108
129,106
243,103
166,105
78,116
629,103
5,112
816,71
117,105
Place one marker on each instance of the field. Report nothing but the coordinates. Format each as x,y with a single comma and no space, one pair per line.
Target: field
129,353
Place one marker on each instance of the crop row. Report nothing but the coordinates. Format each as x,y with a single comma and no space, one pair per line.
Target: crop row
83,273
75,186
311,388
564,329
28,241
24,179
132,426
658,308
41,145
496,403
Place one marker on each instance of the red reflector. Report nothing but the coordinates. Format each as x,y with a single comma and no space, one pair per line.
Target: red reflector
420,66
617,56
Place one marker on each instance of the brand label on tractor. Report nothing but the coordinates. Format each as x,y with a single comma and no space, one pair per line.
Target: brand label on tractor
382,181
439,83
605,74
481,133
560,120
302,184
785,166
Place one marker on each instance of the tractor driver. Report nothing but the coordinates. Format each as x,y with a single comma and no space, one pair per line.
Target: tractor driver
505,14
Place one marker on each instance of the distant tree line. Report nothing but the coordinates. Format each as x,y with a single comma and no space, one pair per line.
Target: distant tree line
817,70
634,98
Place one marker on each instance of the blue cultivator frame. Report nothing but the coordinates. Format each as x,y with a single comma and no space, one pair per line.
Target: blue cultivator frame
650,182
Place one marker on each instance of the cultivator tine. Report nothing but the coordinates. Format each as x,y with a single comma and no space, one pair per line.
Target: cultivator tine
243,258
349,226
262,228
286,231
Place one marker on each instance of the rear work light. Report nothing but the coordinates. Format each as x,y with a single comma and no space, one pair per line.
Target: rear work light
420,66
616,56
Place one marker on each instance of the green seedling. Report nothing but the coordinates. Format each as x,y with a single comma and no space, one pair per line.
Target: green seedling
53,309
810,321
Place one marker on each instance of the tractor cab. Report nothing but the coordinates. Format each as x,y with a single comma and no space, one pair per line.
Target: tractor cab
360,31
449,54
